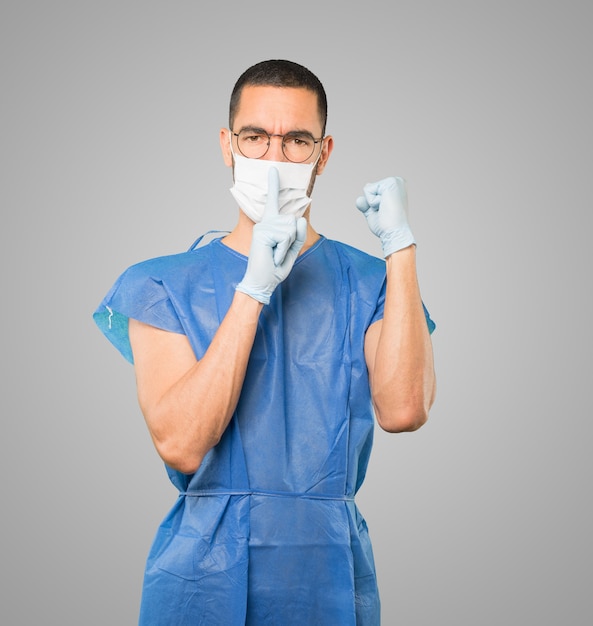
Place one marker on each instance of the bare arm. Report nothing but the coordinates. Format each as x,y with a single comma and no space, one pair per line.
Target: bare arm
398,351
187,404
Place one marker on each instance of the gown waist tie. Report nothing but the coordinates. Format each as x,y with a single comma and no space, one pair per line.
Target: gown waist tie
272,494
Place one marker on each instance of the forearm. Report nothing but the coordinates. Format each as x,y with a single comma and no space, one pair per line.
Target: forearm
403,381
189,418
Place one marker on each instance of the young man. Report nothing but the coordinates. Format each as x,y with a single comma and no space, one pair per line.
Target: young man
259,358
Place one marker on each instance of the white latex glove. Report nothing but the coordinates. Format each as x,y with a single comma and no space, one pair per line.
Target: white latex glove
384,205
275,245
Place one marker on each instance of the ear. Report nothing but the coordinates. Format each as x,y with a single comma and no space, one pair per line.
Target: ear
326,150
225,146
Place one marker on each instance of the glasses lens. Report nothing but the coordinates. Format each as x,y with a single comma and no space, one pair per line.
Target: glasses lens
253,144
298,147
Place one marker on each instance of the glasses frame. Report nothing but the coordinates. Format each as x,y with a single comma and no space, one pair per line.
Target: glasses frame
270,135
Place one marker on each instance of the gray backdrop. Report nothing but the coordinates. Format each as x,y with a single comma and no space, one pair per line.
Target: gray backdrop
110,120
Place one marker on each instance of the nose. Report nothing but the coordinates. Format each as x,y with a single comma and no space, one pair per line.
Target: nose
274,152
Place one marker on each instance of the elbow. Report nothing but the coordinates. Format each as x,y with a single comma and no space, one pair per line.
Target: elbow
180,444
182,464
180,456
401,417
405,419
394,416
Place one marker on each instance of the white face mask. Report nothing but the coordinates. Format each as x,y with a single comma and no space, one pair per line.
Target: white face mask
250,188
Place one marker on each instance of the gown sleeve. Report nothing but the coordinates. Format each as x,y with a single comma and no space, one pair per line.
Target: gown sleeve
431,325
140,295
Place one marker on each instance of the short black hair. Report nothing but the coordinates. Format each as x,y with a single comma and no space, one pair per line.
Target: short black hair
279,73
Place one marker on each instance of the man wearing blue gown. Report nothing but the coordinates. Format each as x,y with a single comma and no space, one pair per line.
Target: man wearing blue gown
262,359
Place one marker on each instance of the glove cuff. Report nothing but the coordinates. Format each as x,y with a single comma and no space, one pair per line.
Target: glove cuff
264,298
397,240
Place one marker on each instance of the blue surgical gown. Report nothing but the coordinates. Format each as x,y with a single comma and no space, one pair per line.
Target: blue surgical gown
266,532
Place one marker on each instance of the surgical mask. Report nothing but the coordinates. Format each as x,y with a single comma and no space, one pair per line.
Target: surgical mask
250,188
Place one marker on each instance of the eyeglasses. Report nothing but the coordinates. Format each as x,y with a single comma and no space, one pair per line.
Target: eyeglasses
297,146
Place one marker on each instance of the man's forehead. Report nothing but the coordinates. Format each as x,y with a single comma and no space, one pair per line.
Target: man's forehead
259,101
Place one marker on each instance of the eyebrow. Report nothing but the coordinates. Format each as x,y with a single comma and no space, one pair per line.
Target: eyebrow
255,129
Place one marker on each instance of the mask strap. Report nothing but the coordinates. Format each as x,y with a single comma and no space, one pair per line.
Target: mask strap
196,243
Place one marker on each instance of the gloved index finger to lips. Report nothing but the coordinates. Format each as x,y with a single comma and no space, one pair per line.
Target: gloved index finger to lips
273,193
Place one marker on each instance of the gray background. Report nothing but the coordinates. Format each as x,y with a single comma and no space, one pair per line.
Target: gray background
110,120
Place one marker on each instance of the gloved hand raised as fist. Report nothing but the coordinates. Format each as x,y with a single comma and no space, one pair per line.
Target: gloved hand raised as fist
275,245
384,205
